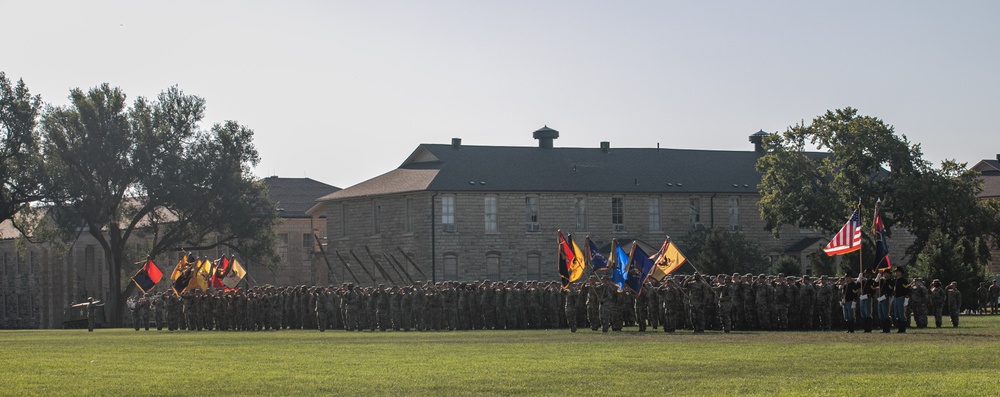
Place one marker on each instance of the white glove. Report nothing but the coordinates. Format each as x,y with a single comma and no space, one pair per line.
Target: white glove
906,301
864,297
881,298
854,305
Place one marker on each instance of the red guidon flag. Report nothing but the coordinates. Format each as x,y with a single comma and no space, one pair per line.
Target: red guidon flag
147,277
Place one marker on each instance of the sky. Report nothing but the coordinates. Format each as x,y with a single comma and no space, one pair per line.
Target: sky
341,92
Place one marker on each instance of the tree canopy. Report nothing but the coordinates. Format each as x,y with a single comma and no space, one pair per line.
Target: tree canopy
149,169
861,157
718,251
19,157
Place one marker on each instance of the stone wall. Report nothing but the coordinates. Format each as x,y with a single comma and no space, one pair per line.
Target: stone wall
512,246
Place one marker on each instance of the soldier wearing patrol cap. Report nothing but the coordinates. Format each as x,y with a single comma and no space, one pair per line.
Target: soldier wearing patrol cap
954,302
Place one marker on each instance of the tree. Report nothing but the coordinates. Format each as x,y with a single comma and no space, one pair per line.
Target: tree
862,157
149,170
949,259
19,159
786,265
718,251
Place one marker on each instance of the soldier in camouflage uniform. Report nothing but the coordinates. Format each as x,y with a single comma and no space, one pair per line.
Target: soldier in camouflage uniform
556,304
762,299
807,300
487,300
825,293
382,303
781,299
572,296
954,299
728,293
133,307
592,293
919,299
609,296
700,295
160,310
749,306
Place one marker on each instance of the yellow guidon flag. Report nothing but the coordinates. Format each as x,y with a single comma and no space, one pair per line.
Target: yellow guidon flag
668,260
579,262
200,278
181,264
235,275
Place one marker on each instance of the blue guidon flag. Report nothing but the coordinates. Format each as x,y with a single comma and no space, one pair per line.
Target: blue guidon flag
597,261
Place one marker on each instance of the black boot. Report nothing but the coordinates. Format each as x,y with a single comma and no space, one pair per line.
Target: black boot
867,324
902,327
850,327
886,326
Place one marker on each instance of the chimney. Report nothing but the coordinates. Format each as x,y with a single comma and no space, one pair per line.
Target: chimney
757,139
545,135
998,156
605,146
456,143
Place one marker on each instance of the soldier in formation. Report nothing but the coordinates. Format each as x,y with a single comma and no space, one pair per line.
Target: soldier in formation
697,303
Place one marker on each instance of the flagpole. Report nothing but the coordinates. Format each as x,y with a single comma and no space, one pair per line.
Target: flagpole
861,262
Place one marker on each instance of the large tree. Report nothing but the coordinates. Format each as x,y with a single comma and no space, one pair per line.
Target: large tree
861,157
151,171
718,251
19,158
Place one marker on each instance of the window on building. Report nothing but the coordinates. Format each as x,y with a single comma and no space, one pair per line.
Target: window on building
493,266
343,220
534,267
490,213
695,211
531,209
734,213
580,212
654,214
283,247
307,242
88,259
618,213
376,218
448,212
408,216
450,267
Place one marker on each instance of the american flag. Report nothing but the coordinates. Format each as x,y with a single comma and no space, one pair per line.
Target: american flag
848,239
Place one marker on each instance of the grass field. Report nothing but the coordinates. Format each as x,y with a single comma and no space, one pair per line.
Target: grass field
119,362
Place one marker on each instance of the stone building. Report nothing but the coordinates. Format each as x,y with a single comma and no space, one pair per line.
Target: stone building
989,170
466,212
38,281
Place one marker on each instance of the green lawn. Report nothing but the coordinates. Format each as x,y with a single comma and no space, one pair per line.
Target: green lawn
962,361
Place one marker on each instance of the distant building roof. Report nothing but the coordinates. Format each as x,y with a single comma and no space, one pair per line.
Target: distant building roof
990,174
456,167
8,231
293,196
991,186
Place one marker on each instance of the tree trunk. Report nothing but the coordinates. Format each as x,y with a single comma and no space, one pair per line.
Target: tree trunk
114,309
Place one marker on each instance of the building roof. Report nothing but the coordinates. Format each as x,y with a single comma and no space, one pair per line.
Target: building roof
293,196
988,165
8,231
991,186
464,168
990,174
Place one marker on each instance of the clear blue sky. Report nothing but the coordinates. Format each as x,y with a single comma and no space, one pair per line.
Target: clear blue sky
344,91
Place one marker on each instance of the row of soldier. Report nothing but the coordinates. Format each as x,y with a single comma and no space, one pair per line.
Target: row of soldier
737,302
